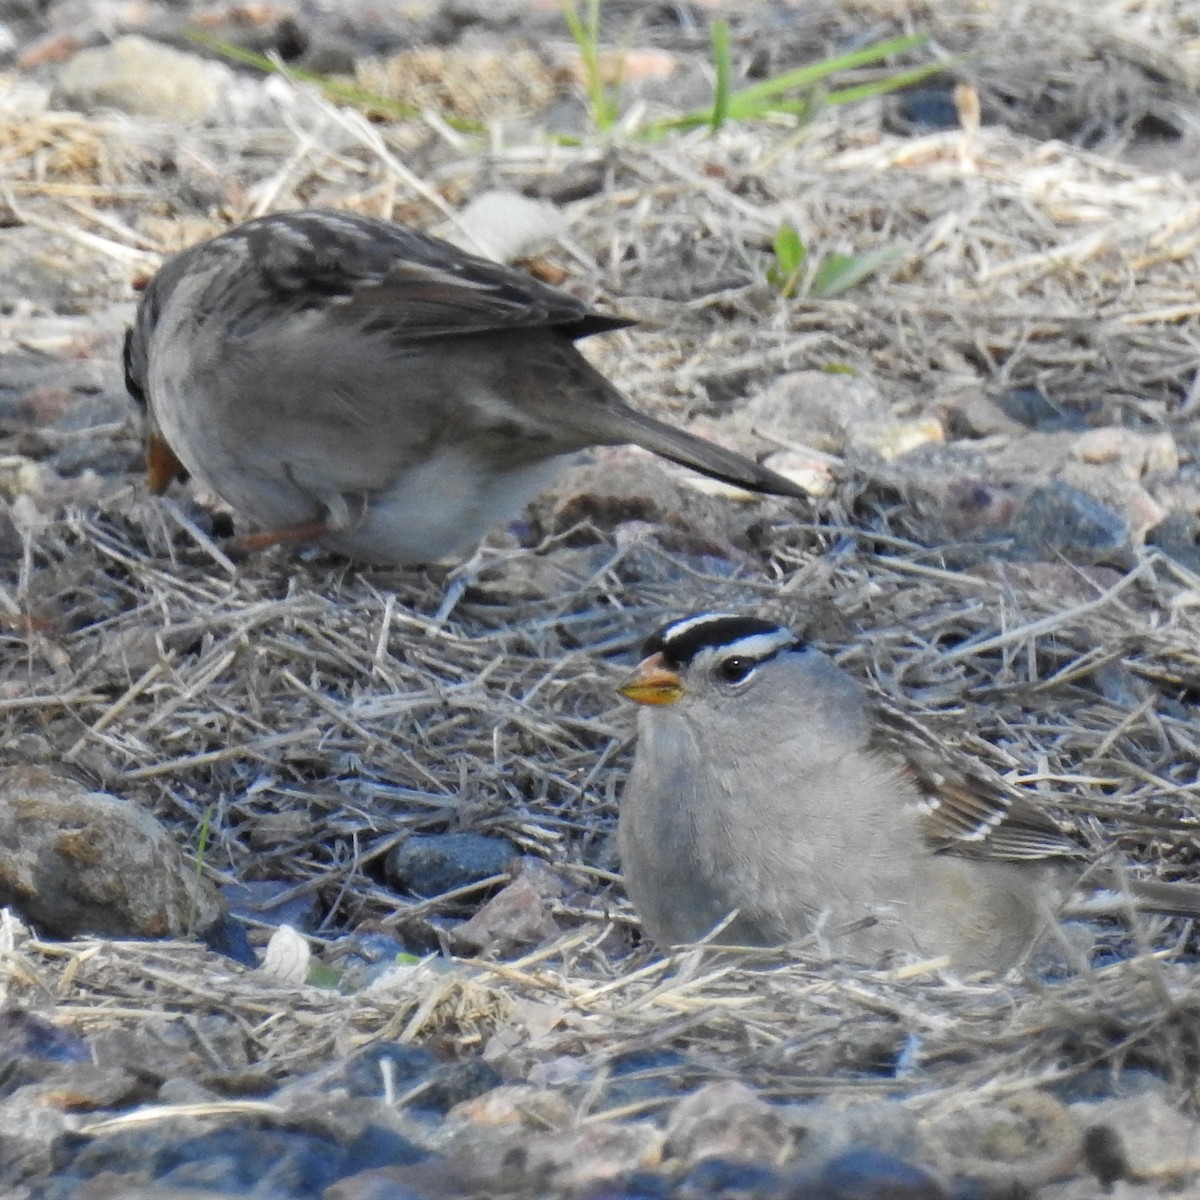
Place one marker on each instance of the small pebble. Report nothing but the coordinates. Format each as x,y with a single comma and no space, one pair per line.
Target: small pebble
921,110
1033,409
863,1174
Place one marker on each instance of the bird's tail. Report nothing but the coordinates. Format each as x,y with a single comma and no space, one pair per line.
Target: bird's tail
1114,897
704,456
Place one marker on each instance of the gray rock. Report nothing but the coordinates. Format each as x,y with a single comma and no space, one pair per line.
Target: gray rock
727,1120
520,914
593,499
1142,1134
811,408
1042,521
74,861
1134,453
1023,1140
144,78
505,225
209,1050
57,275
389,1067
558,1162
530,578
31,1132
1179,536
1062,519
431,864
1033,409
26,1037
867,1174
461,13
827,1130
273,902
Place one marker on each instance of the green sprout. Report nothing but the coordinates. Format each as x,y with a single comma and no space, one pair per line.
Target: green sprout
605,99
833,276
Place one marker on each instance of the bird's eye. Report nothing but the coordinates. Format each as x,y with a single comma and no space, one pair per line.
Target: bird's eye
735,669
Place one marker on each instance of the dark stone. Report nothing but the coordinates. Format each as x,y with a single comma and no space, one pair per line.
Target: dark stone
872,1175
459,1081
926,109
363,957
725,1177
1099,1083
78,1156
292,40
377,1146
432,864
642,1185
1061,519
370,946
29,1046
273,902
645,1075
248,1159
1179,536
228,936
1104,1154
446,1084
269,1161
1034,409
407,1066
222,525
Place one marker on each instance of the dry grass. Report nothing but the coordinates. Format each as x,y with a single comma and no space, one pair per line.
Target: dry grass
313,713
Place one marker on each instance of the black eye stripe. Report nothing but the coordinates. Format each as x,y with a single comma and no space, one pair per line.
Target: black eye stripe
681,641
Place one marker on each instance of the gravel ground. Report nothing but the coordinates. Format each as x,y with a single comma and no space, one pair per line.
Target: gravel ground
309,867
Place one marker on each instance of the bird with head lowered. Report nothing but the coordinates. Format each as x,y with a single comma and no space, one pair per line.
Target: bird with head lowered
350,382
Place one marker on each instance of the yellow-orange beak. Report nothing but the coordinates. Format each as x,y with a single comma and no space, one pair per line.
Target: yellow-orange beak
653,682
162,467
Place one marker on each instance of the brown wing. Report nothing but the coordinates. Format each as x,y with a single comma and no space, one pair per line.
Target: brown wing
955,821
376,275
253,287
966,808
379,276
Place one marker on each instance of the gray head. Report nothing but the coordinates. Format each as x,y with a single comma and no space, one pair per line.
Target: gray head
752,677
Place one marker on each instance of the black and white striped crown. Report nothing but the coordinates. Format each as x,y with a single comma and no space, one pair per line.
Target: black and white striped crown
681,642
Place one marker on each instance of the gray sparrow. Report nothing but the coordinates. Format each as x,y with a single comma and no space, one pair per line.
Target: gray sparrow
767,792
350,382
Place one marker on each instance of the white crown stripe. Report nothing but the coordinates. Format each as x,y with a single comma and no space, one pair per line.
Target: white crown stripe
758,645
679,628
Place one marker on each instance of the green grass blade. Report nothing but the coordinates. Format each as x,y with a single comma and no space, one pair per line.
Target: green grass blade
585,31
720,47
808,76
790,256
202,843
201,853
795,108
841,272
881,87
766,98
790,251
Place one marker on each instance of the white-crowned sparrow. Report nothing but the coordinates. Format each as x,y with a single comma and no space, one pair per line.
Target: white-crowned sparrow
765,786
350,382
